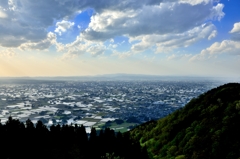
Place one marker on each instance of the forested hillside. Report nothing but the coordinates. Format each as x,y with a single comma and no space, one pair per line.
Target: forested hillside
207,127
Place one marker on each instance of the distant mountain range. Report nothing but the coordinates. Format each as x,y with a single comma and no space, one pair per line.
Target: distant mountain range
115,77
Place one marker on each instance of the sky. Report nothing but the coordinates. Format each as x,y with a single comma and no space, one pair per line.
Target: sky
96,37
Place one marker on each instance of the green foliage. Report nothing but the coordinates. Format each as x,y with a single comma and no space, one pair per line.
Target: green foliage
180,157
207,127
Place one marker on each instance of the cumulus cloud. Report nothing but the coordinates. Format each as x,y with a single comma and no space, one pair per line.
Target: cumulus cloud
79,47
212,35
235,32
74,49
236,28
230,47
168,42
168,25
194,2
160,19
225,47
217,12
27,22
41,45
96,50
63,26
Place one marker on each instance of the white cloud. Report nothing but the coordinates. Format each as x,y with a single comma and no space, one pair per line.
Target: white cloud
235,32
217,12
122,55
195,2
96,50
74,49
63,26
229,47
212,35
81,46
41,45
236,28
168,42
225,47
160,19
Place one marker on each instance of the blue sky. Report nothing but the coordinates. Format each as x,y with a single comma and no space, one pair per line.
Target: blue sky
93,37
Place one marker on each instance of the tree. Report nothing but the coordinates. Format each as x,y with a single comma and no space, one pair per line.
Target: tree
93,135
29,125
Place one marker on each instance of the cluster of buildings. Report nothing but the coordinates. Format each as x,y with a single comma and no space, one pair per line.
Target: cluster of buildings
93,103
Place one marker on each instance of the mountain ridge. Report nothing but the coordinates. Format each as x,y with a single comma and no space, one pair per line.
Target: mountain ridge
205,128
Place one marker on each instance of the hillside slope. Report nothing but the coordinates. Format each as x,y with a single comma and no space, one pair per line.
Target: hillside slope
207,127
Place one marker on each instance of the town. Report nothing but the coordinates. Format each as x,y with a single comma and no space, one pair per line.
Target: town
120,105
